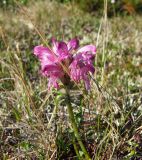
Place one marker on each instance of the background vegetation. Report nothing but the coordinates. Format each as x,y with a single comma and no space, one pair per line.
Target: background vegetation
123,6
33,121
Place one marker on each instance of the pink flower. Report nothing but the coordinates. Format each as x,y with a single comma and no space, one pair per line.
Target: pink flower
56,62
82,64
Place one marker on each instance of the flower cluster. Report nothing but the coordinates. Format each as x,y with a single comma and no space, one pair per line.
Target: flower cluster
64,62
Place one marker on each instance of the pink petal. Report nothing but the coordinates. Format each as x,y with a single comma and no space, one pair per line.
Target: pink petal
87,83
53,82
73,44
52,70
80,67
44,54
55,45
87,48
90,68
60,49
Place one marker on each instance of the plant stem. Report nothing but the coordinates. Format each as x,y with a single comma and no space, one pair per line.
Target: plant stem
74,126
76,149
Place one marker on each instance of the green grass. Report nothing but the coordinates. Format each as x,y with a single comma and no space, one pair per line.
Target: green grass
109,116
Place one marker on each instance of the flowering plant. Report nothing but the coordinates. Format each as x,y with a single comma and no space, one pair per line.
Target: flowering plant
59,63
65,62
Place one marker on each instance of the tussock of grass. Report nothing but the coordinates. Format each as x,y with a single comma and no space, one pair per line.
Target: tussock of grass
109,116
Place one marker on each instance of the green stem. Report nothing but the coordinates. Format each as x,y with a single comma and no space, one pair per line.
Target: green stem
74,126
76,149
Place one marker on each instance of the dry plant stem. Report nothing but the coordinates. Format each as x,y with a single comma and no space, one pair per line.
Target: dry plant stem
54,113
105,39
74,125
